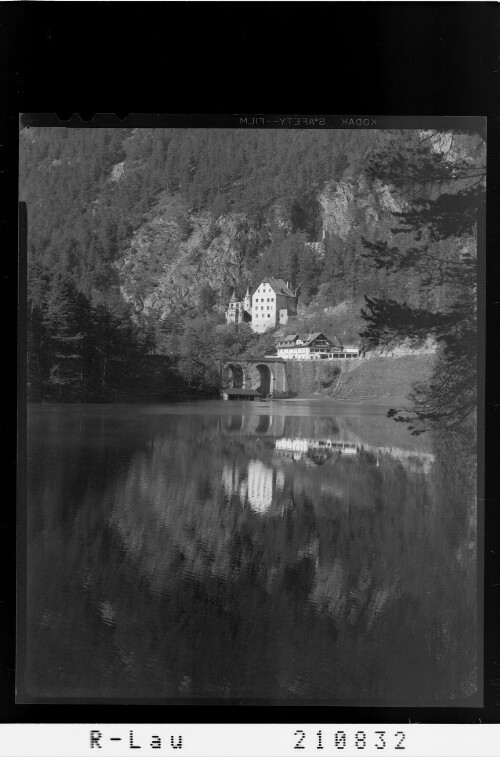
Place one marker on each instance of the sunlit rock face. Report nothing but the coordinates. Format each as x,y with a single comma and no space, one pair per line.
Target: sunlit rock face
348,204
170,253
337,201
452,146
175,247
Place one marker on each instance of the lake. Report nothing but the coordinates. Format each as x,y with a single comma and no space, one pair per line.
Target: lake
285,551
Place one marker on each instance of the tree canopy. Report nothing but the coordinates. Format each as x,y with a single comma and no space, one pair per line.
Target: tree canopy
436,239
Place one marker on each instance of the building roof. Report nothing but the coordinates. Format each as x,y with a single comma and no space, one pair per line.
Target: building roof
306,339
277,285
233,297
309,338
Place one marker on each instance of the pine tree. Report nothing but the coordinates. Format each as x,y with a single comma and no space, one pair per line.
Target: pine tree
65,320
435,242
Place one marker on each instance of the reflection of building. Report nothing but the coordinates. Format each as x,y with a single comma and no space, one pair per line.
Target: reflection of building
292,445
260,486
319,449
230,478
315,449
313,347
280,481
257,486
233,482
253,425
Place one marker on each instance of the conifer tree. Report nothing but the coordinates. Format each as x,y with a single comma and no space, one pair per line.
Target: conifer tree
435,241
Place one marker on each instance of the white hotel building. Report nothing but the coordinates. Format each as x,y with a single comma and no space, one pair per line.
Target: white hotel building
313,347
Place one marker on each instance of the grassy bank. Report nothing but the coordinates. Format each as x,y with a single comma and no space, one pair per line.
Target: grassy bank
384,378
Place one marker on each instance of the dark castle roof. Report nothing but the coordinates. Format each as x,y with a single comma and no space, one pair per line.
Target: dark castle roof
278,285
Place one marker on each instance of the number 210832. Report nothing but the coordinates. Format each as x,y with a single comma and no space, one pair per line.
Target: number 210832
343,740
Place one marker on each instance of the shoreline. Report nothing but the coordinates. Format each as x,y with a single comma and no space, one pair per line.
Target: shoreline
387,382
380,401
386,402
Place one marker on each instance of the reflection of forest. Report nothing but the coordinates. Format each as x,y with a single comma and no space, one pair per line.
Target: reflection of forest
170,558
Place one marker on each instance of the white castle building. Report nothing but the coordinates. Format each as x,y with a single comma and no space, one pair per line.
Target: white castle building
270,305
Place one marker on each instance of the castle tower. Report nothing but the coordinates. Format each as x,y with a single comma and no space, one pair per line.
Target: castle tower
233,311
247,302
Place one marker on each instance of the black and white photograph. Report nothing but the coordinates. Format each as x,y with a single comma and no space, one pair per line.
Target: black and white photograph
252,412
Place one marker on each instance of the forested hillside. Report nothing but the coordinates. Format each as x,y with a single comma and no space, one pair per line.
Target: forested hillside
137,238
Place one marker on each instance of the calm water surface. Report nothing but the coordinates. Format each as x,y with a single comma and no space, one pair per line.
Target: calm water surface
286,550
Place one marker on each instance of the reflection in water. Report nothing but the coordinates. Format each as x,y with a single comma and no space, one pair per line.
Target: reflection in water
186,551
320,450
256,488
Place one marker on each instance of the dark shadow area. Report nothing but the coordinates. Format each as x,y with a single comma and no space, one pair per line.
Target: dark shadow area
265,379
235,373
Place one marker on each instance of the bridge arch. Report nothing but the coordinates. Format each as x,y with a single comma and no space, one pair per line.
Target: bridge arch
264,424
233,375
266,377
234,423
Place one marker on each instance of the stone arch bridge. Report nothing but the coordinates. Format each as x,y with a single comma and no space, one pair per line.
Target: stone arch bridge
264,375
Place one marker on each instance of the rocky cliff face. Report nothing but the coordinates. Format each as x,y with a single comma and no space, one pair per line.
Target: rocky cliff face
175,251
348,204
175,248
169,209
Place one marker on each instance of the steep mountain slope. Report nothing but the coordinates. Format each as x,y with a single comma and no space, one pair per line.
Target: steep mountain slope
150,230
167,206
